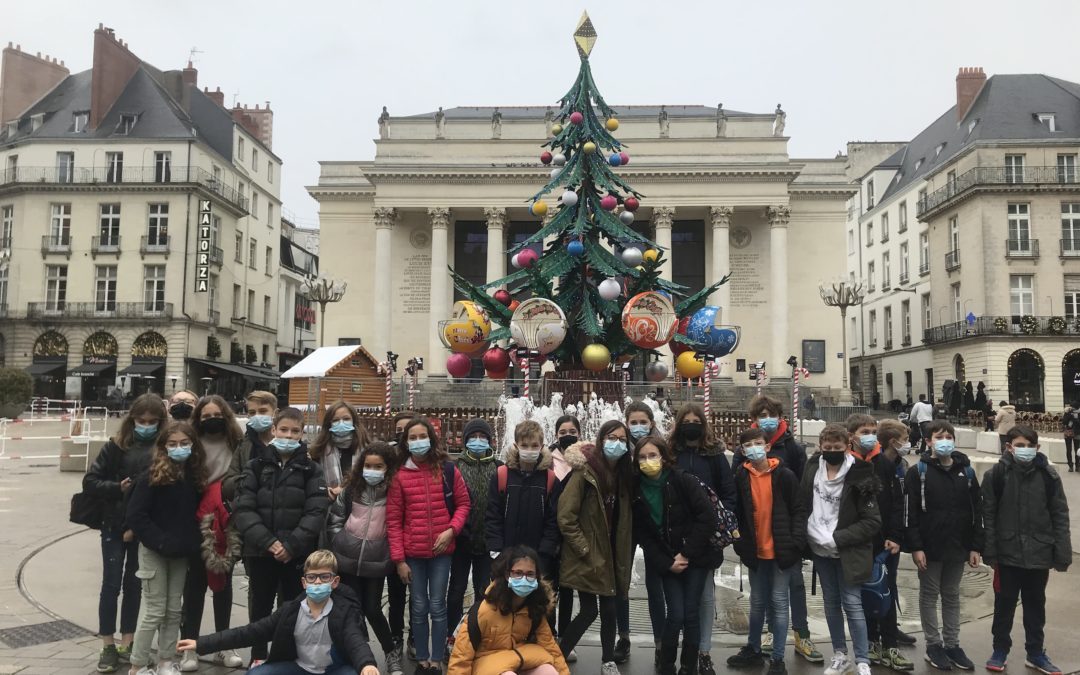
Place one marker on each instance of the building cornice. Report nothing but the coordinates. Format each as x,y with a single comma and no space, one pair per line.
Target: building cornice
530,175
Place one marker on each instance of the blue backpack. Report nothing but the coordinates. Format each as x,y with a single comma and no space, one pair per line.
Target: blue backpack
877,598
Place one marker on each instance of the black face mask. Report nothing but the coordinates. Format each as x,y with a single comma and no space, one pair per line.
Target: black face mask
834,458
691,431
181,411
566,441
212,426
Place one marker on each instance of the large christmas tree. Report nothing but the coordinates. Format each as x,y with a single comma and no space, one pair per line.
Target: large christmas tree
594,206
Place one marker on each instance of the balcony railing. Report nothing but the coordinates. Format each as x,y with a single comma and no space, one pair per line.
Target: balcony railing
991,176
158,244
884,236
5,242
886,284
924,269
110,244
888,345
132,175
93,310
873,344
217,256
1022,248
952,260
54,244
905,341
904,278
1070,248
1004,326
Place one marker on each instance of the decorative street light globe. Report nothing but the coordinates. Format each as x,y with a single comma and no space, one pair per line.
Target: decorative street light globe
323,291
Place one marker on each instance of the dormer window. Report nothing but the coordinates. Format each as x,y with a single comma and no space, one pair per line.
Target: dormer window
127,123
938,149
1047,119
80,120
972,124
12,128
36,121
918,163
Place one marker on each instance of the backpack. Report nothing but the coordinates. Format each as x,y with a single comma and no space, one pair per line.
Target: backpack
448,469
87,509
999,484
502,473
473,626
725,530
877,598
968,471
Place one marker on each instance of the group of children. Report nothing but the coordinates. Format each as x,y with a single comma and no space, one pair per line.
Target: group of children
322,529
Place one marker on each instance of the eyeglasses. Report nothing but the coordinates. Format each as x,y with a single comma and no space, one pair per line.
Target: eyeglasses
518,574
323,577
614,437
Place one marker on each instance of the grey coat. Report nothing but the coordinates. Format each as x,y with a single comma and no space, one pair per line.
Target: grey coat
1023,526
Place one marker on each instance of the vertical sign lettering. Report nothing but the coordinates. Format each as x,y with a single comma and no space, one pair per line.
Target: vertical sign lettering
202,254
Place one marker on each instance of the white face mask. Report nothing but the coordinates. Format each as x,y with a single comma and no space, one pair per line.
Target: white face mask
904,450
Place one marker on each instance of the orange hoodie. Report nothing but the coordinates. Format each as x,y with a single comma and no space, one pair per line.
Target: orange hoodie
761,493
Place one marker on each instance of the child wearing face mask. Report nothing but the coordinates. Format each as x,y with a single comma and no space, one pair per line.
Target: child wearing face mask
567,432
356,530
340,438
161,512
280,512
944,532
261,408
1026,527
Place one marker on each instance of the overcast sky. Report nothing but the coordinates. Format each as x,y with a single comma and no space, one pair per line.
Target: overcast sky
844,70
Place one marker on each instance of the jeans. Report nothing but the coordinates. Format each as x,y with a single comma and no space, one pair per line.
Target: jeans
770,587
839,599
119,562
707,612
369,590
461,562
941,580
797,602
1070,450
1029,586
430,577
681,597
608,609
396,591
195,598
269,579
654,589
884,630
162,593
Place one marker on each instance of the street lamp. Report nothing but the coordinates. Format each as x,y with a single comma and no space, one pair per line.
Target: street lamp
842,294
323,291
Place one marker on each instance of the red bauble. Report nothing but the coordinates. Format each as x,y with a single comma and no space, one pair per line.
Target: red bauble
527,257
608,202
496,360
499,375
631,204
545,157
502,296
624,157
576,118
676,346
458,365
514,305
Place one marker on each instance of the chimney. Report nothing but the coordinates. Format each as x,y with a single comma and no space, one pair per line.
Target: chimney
969,81
217,96
258,121
114,66
24,79
191,75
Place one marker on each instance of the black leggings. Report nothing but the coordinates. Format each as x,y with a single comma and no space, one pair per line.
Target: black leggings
608,612
370,593
195,586
395,595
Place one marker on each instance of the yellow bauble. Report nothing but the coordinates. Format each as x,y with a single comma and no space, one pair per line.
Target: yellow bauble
596,357
556,129
589,148
650,255
688,365
539,208
612,124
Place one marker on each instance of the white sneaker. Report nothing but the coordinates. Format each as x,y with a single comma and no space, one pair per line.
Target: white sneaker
167,668
766,641
228,658
189,662
839,665
609,668
145,670
863,669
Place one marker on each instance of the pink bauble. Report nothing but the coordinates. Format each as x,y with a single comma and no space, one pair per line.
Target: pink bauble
458,365
545,157
496,360
631,204
527,258
608,202
576,118
624,157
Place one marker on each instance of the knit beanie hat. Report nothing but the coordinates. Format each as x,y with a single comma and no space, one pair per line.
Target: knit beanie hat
475,425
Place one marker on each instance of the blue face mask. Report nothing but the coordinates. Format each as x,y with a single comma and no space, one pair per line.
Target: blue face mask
145,432
754,453
944,447
1025,455
768,424
179,454
614,449
342,428
524,586
285,446
260,423
420,447
374,476
478,446
868,441
639,430
318,592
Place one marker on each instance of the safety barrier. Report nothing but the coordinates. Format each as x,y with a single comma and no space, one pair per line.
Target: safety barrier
44,409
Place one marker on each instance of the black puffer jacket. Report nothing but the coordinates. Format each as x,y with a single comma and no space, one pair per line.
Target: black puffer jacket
163,516
945,518
782,446
789,539
249,448
346,624
282,501
112,466
685,527
525,514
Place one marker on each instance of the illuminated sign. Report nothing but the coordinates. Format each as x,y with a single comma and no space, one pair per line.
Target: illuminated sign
202,254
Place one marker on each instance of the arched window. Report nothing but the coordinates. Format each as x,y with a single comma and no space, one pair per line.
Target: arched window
150,345
50,344
1026,377
1070,378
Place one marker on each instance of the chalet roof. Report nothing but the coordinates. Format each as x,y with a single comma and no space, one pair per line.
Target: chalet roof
324,359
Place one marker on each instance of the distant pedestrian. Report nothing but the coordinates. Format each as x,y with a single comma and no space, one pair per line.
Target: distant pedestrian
1004,421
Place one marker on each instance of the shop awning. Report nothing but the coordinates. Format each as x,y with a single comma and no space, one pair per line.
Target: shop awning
91,369
143,368
45,368
237,369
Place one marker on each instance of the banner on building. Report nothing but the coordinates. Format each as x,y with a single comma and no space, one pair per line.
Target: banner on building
202,254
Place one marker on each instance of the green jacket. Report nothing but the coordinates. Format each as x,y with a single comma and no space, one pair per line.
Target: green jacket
1022,524
477,475
587,562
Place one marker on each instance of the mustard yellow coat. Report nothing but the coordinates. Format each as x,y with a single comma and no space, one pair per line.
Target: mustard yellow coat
503,645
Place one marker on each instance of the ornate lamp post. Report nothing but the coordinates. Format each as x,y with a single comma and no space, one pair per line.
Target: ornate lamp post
842,294
323,291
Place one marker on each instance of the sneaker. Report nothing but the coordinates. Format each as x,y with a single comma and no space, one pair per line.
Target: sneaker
609,668
124,652
746,657
875,653
572,656
805,648
959,658
936,657
839,664
189,662
892,658
622,650
229,658
996,662
905,638
108,660
862,669
1041,663
166,668
145,670
704,664
777,667
393,661
766,640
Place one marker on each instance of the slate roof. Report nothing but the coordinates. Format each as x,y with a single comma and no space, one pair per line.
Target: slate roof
536,112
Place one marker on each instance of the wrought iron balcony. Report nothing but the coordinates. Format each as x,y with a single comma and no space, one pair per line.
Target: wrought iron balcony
56,244
158,244
1003,326
904,278
884,236
1022,248
5,242
998,177
905,341
109,244
888,344
1070,248
924,269
886,284
217,256
94,310
952,260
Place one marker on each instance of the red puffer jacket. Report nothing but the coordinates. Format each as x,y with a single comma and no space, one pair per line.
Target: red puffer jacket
416,512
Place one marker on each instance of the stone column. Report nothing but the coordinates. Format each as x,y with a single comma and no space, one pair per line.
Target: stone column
384,226
778,281
662,218
721,265
496,244
440,221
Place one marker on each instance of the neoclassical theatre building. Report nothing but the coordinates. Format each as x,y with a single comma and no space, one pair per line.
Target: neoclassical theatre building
721,194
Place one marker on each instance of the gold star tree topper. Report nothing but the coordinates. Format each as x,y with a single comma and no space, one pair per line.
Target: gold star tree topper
584,36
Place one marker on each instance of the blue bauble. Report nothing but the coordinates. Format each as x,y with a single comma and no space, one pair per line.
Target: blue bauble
575,248
614,159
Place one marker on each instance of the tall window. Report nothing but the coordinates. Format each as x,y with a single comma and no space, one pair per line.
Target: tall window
80,120
1021,294
886,271
303,314
270,172
215,231
255,159
1072,296
267,319
1014,168
904,267
927,315
873,328
254,204
1066,168
269,213
239,253
7,224
55,287
869,232
154,288
888,328
109,220
60,225
688,254
240,148
950,180
958,311
114,167
954,233
236,306
105,288
870,281
213,295
884,227
1019,229
924,253
251,306
162,167
1070,228
870,194
269,260
902,227
905,323
850,241
3,288
65,167
157,227
253,246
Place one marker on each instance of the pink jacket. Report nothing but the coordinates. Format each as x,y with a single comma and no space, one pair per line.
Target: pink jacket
416,512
